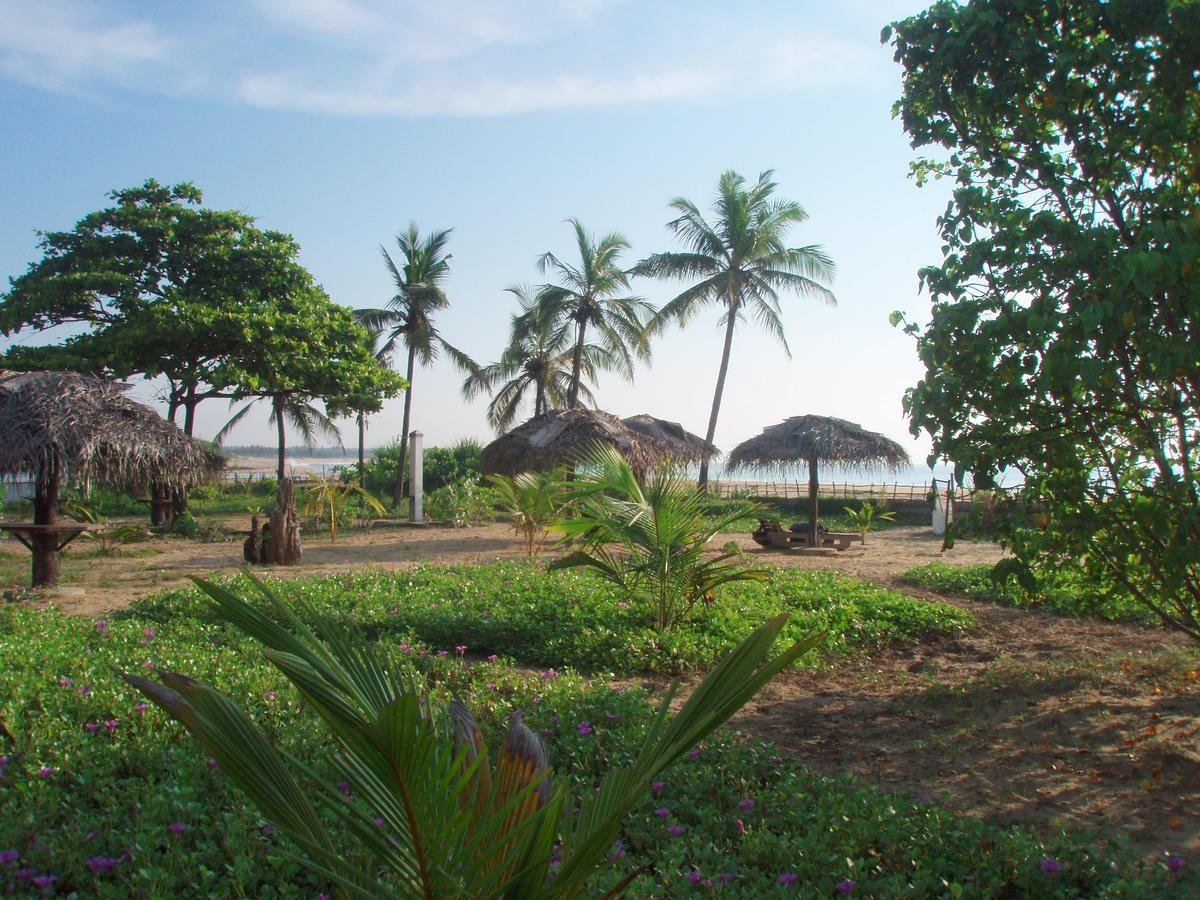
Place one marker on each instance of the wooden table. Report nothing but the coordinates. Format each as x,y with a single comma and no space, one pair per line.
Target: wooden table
25,531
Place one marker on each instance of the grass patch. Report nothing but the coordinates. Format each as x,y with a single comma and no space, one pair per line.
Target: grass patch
546,619
114,794
833,513
1061,593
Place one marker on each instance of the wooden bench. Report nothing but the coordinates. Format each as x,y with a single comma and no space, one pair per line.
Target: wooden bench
771,535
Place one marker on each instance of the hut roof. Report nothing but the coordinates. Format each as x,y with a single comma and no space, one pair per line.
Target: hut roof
560,436
832,441
686,447
86,427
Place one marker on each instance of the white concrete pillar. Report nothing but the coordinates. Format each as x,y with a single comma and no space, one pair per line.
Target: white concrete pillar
416,479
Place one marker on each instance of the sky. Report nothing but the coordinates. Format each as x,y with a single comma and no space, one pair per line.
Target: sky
339,121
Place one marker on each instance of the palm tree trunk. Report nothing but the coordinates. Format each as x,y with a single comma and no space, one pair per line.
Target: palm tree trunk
716,404
814,539
44,547
398,490
539,404
280,430
362,436
576,367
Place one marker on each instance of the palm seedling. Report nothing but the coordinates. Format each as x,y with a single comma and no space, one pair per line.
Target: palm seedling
435,814
532,500
328,498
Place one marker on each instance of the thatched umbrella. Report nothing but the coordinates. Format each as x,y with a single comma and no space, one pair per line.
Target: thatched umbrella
810,440
560,436
60,425
685,446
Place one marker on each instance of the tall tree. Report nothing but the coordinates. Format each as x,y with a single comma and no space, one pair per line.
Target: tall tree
407,318
1066,314
538,358
743,262
591,295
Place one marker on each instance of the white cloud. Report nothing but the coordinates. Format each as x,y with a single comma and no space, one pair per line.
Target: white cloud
65,45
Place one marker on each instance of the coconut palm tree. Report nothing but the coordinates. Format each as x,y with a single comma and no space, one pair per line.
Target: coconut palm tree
742,263
590,295
538,357
408,317
287,408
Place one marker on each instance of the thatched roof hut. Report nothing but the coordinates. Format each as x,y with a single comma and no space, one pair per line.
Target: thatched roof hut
810,440
63,425
686,447
560,436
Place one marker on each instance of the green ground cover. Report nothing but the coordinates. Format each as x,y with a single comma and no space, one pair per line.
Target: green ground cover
572,618
1062,593
112,799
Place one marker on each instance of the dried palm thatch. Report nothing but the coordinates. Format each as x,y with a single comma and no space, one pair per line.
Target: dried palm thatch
809,441
60,425
686,447
800,439
82,427
562,436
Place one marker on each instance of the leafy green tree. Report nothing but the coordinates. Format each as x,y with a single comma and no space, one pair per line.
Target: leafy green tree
1065,320
154,285
408,317
591,295
650,540
305,348
539,357
456,820
742,262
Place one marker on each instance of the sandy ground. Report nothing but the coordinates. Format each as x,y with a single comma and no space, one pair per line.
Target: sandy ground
97,585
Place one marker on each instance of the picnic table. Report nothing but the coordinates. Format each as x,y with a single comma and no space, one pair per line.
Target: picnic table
25,532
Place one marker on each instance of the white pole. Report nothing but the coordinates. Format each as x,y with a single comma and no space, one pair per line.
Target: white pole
417,481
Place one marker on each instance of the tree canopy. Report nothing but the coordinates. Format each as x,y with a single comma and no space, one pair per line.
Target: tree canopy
1064,330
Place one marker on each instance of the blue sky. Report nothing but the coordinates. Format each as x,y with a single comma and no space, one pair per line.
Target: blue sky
338,121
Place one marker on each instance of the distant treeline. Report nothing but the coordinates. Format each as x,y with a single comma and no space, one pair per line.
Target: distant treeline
314,452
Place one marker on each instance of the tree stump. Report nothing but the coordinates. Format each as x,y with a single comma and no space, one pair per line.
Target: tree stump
285,527
252,547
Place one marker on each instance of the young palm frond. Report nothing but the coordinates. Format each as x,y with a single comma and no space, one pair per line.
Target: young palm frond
455,822
651,539
533,500
739,261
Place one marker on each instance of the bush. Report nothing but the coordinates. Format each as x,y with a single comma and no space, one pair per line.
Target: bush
134,809
442,466
463,503
1064,592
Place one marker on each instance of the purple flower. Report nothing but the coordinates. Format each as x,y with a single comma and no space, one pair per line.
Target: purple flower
662,812
111,724
924,798
177,828
486,615
8,857
92,727
675,831
101,865
693,753
101,626
460,649
741,826
1050,866
657,787
212,763
617,687
25,874
612,717
443,653
621,604
726,877
787,878
492,658
379,823
141,708
46,772
344,787
270,695
845,887
44,882
548,674
584,728
404,648
393,611
86,690
149,633
694,876
746,804
1174,864
65,682
617,851
492,686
